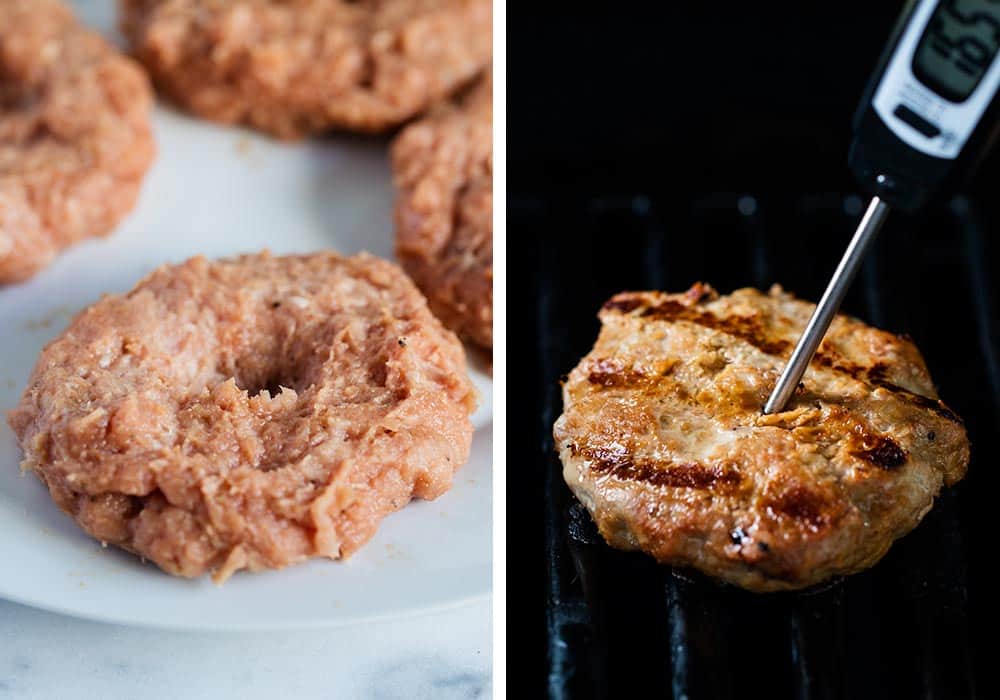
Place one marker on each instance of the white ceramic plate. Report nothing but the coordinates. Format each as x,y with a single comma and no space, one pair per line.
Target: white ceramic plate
220,191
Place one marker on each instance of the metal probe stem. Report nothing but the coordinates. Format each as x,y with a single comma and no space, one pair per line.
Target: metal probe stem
827,308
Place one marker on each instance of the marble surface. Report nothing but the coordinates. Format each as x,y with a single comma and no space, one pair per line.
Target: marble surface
441,657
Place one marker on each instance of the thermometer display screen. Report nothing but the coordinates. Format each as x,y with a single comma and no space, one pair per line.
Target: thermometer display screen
958,47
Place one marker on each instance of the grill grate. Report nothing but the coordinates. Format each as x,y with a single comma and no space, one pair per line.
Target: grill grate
617,623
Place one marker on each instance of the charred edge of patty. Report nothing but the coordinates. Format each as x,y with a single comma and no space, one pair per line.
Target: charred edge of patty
623,305
630,301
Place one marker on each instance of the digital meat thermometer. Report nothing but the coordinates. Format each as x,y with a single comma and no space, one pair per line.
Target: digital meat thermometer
929,112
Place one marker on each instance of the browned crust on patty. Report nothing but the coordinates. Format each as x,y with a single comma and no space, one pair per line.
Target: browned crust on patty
75,136
443,168
248,413
297,67
663,439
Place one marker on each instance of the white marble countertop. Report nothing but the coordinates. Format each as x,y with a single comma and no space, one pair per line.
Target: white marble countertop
439,657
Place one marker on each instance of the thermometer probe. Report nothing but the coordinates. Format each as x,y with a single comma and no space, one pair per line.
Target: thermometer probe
929,112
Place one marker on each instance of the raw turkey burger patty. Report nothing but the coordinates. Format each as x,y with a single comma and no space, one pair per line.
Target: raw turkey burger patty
443,167
75,136
663,439
297,67
248,413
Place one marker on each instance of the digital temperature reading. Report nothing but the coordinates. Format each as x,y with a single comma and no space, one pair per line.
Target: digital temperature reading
958,46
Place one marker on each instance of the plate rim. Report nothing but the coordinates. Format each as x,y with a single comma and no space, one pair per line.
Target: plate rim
252,624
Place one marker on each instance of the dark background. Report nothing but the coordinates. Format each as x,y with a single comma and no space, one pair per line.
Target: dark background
670,108
716,95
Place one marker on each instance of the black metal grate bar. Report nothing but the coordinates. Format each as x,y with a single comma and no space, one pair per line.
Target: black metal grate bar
573,666
973,238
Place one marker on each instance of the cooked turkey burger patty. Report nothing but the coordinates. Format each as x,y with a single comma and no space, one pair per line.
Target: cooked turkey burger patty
663,438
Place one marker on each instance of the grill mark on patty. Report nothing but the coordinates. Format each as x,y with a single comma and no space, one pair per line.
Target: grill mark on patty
749,329
930,404
880,450
886,454
802,505
876,376
609,372
692,475
746,328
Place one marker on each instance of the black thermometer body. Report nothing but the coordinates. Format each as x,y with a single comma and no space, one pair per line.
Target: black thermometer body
929,113
931,109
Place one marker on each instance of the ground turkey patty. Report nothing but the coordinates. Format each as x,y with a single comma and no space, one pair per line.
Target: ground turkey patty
663,438
295,67
248,413
75,137
443,168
